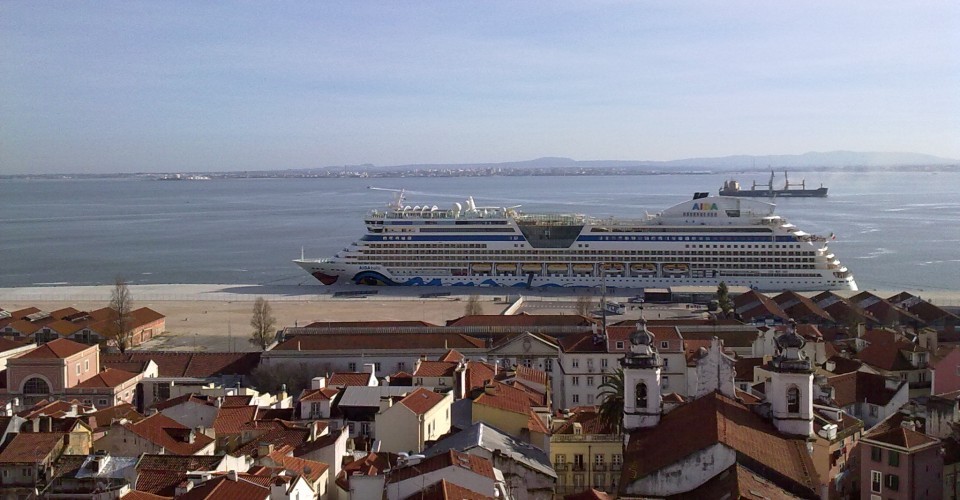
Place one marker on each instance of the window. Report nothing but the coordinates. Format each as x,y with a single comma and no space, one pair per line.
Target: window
664,344
892,482
560,459
641,395
666,362
665,382
574,381
620,346
617,459
575,363
589,399
548,365
528,362
598,459
78,368
793,400
893,458
102,402
589,381
376,366
36,385
352,367
401,366
576,399
875,481
603,362
578,462
599,480
86,365
876,454
874,410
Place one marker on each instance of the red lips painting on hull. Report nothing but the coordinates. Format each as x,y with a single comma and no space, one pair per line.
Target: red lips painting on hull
326,279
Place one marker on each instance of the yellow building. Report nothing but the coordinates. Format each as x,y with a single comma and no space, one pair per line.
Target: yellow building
585,452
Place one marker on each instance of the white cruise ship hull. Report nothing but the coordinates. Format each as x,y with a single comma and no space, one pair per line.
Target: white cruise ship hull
699,243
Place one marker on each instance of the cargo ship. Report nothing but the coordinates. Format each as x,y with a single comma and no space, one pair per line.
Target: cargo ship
793,190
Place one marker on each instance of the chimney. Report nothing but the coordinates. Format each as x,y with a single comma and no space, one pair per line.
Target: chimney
861,329
318,383
232,475
830,365
298,344
385,403
264,449
908,423
489,388
46,424
370,368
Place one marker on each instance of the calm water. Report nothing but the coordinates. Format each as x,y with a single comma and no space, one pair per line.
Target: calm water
893,230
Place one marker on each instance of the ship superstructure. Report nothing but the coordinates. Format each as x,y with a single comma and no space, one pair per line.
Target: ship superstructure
699,242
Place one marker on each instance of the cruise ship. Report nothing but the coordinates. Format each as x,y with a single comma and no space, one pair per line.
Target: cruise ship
700,242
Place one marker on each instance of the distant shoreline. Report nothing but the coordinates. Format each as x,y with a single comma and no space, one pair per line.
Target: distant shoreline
472,171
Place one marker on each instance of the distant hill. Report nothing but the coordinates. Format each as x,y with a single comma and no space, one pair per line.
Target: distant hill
805,161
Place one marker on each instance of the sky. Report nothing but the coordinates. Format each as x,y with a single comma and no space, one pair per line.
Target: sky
98,87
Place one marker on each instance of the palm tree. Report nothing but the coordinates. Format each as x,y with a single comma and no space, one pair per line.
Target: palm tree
610,409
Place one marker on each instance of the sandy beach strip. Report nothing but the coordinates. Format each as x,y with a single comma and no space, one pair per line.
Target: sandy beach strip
214,317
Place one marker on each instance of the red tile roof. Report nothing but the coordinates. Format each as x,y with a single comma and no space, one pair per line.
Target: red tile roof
223,488
478,372
855,387
435,369
367,324
170,434
884,351
902,437
413,340
325,394
55,409
275,432
349,379
191,397
452,356
188,364
106,416
56,349
445,490
753,304
477,465
143,495
111,377
232,420
160,474
738,482
10,344
421,401
309,469
31,447
531,375
714,419
374,463
590,494
504,397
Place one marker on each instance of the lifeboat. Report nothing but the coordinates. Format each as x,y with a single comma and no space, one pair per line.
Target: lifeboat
583,268
643,269
613,267
531,268
480,268
674,268
505,267
558,268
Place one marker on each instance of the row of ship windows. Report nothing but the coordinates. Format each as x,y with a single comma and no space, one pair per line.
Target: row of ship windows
413,262
539,254
484,245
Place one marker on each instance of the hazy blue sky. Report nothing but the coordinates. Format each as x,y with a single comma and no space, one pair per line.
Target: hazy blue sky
167,86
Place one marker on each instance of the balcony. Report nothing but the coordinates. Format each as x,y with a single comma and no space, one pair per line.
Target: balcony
561,467
579,467
615,467
576,438
599,467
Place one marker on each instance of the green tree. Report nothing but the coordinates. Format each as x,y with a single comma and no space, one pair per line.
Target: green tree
610,409
262,322
723,299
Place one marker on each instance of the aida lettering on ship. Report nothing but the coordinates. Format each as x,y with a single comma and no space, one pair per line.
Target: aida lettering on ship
699,242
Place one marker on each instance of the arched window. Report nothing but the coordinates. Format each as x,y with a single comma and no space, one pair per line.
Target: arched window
641,395
36,385
793,400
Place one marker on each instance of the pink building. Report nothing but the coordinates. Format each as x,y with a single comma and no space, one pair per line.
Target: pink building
945,368
64,369
899,462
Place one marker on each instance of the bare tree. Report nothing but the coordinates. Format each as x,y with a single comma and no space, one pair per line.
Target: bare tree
121,303
262,322
584,304
473,306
